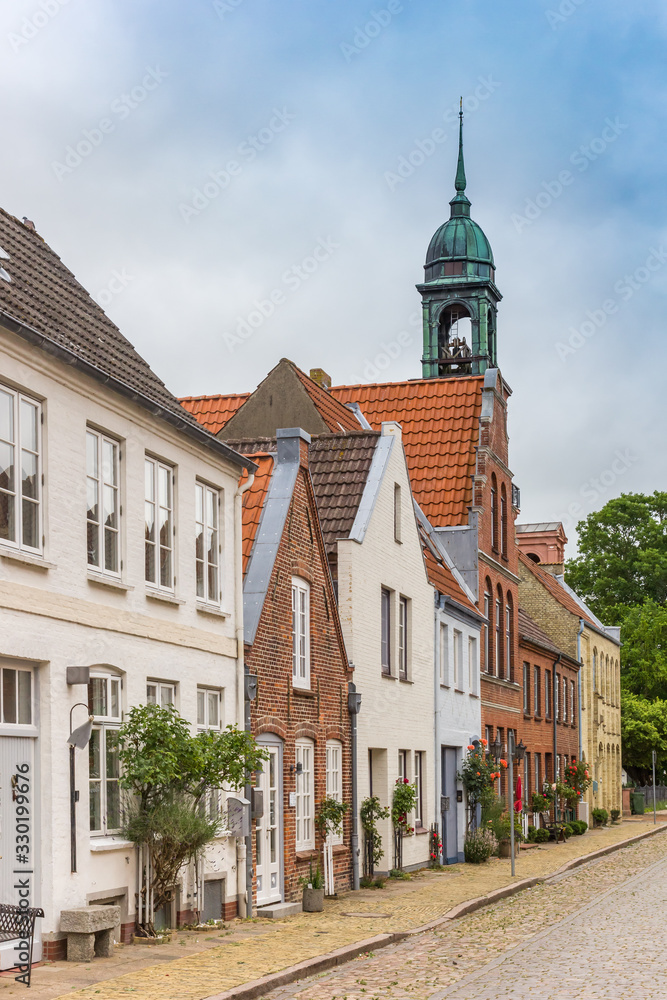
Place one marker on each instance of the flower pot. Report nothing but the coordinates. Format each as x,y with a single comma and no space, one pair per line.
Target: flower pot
506,848
313,900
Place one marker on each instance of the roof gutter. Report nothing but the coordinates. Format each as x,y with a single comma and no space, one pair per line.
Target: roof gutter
579,635
193,431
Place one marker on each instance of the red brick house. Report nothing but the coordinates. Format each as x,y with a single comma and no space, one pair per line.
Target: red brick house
294,647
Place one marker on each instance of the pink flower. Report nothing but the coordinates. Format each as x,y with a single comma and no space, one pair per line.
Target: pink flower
405,781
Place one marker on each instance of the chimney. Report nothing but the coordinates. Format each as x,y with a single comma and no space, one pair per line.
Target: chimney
292,446
544,543
319,376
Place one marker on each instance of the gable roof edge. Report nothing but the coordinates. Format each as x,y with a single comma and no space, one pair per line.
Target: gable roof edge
374,479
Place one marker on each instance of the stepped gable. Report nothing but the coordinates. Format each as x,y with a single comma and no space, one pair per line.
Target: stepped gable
45,304
213,412
253,502
339,465
440,423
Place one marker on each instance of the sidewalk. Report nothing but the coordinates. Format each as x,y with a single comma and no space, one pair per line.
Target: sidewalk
198,965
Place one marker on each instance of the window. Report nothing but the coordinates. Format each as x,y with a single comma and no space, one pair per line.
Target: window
556,696
334,783
160,694
20,470
104,693
458,659
536,691
595,679
526,689
207,543
444,655
16,696
103,525
565,709
397,513
305,826
403,764
385,631
503,521
526,778
494,512
419,788
572,701
547,694
488,736
499,638
473,665
509,652
209,708
538,772
159,515
488,608
403,638
300,633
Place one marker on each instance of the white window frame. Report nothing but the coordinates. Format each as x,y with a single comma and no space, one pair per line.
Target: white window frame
419,789
443,653
526,687
499,638
300,632
208,594
19,702
386,619
156,466
457,658
98,478
165,692
537,677
488,607
403,764
304,817
105,724
473,665
573,695
334,780
565,705
509,673
206,698
17,498
403,638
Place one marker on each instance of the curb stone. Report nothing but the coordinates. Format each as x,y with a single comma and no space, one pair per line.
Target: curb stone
322,963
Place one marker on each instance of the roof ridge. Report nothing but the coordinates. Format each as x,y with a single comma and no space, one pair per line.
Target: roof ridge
409,381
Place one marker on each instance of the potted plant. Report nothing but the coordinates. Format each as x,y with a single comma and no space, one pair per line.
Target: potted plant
503,833
600,817
615,815
313,890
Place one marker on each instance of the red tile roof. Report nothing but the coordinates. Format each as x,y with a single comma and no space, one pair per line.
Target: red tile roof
335,414
440,421
213,412
253,502
557,591
444,581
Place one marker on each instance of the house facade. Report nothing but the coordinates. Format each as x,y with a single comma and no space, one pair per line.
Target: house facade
109,595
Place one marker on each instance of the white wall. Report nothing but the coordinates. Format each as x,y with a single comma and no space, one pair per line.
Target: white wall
54,615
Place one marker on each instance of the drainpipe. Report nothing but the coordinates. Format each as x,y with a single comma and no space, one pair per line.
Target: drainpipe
579,634
353,706
554,685
243,848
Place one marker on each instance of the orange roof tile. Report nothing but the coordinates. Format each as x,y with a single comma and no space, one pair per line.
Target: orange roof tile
253,502
440,421
335,414
557,591
213,412
444,581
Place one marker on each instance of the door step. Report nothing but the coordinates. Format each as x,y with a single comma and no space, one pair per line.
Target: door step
275,911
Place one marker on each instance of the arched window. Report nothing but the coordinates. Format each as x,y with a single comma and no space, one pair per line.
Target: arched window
488,629
494,512
509,637
500,658
503,521
595,670
104,704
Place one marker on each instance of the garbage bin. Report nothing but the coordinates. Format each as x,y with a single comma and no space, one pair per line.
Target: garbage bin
637,803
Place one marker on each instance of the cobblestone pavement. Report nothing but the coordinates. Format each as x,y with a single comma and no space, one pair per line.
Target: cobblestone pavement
198,965
596,932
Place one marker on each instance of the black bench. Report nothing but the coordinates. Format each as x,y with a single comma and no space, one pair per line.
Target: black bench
17,923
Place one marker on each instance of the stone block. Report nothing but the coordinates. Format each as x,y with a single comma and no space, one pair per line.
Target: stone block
104,944
89,919
80,947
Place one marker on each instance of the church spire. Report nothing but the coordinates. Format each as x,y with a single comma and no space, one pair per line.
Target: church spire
460,204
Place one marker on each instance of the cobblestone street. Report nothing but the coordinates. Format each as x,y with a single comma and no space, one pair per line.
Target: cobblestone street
597,932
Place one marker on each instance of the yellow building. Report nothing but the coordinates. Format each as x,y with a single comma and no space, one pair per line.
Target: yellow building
566,619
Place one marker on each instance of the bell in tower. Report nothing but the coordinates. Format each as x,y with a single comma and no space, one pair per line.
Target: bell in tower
459,295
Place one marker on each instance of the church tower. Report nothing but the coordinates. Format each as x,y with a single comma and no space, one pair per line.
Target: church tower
459,294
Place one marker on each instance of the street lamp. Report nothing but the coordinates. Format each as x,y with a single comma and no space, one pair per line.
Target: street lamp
496,748
78,739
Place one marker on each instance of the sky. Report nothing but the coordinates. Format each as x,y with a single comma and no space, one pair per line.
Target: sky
237,181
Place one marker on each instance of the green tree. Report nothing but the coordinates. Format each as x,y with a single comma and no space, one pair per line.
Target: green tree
166,774
622,557
643,729
644,645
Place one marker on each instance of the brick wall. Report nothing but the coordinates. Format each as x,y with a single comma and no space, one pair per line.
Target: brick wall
319,713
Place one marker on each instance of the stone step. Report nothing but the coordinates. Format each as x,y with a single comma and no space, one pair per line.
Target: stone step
275,911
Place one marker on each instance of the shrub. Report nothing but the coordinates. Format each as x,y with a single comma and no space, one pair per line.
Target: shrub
600,817
532,830
478,846
541,836
578,826
371,811
567,830
615,815
403,802
539,802
583,824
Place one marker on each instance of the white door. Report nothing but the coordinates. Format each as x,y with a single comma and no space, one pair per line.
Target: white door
268,832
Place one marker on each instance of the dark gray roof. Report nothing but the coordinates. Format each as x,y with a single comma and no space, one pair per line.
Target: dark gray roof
45,305
339,465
